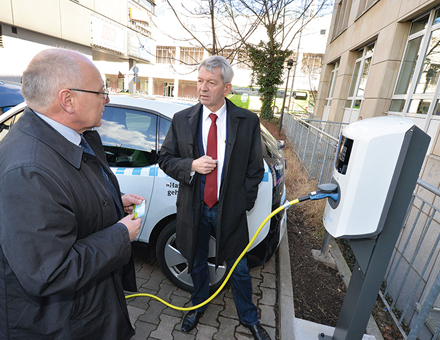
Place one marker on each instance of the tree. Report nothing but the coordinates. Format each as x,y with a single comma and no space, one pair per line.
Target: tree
282,21
238,25
268,65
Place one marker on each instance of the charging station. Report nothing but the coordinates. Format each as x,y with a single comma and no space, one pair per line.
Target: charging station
376,169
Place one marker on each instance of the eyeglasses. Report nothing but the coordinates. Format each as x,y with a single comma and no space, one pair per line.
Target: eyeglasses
105,93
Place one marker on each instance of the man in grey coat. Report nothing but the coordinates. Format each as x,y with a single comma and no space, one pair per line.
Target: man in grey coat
218,184
65,247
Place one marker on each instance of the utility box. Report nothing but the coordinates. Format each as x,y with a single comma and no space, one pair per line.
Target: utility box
366,167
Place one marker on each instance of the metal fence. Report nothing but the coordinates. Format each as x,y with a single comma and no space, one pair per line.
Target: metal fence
413,277
412,280
315,143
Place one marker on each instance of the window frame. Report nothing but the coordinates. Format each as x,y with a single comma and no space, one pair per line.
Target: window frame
331,84
359,76
410,96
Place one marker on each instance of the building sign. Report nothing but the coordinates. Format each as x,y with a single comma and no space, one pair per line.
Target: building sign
108,35
137,14
139,46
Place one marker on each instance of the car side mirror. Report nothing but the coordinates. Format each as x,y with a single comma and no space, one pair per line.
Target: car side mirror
281,144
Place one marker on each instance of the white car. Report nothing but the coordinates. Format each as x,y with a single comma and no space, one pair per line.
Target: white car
132,132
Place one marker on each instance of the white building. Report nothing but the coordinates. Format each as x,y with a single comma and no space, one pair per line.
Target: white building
120,34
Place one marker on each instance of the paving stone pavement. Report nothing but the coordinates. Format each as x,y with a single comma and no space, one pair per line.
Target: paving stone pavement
154,321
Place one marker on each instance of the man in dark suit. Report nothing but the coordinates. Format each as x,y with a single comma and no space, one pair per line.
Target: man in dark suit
214,150
65,247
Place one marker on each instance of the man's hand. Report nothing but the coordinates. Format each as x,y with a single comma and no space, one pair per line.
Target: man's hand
129,199
204,165
133,225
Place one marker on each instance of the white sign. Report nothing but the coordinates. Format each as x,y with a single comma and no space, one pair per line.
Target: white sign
108,35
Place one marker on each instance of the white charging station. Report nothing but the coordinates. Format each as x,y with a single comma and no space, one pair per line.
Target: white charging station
376,168
366,163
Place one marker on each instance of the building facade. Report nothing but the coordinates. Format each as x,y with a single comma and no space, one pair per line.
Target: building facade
123,36
115,34
383,58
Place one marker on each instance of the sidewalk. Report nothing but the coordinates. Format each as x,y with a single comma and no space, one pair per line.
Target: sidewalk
154,321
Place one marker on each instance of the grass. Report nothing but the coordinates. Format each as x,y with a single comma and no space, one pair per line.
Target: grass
299,184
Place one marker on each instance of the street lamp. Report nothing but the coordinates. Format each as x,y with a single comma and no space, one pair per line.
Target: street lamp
289,67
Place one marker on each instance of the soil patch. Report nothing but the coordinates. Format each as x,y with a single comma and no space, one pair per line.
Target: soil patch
317,289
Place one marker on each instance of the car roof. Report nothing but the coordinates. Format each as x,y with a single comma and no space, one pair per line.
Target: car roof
10,94
165,107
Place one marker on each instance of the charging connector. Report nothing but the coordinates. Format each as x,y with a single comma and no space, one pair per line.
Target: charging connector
325,191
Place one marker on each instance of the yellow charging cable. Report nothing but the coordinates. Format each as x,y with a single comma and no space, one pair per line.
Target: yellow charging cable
273,213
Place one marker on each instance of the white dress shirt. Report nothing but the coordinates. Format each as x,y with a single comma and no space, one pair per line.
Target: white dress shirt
221,137
71,135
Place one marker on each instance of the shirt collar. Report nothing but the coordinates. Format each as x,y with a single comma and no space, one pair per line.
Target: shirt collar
221,113
71,135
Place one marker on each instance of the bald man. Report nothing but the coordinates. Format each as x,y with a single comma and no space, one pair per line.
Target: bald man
65,245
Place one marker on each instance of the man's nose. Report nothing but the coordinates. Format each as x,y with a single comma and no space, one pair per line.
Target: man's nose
203,87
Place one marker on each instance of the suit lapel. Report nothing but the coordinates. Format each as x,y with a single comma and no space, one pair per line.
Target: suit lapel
233,117
193,122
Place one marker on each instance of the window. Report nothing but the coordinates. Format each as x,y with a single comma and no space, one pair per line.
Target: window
331,84
312,63
165,54
358,84
322,32
227,53
342,15
121,84
417,89
359,78
365,5
168,89
164,126
129,137
191,55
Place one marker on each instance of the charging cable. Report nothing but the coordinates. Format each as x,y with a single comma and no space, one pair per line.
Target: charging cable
326,190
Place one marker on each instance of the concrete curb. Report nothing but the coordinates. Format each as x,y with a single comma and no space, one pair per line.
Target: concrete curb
285,298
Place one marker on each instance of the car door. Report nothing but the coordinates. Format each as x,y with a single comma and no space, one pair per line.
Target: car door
129,137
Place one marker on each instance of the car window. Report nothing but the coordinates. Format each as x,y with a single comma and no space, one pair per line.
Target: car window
164,126
270,144
6,125
129,137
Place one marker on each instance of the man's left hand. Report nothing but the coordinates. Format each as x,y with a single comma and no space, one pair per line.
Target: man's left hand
129,199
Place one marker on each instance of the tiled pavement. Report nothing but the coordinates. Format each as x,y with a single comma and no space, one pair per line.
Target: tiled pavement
154,321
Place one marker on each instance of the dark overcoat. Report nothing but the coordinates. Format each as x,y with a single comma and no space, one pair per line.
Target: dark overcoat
61,248
243,171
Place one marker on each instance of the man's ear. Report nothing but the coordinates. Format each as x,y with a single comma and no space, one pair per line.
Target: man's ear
66,100
228,88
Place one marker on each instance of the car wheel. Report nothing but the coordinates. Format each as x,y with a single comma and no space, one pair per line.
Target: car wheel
175,266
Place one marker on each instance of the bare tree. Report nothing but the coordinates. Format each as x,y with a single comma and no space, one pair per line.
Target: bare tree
234,29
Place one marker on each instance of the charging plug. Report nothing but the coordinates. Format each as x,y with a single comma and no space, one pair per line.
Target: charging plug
325,190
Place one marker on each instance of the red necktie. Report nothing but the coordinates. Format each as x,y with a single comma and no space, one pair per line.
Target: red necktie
211,178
